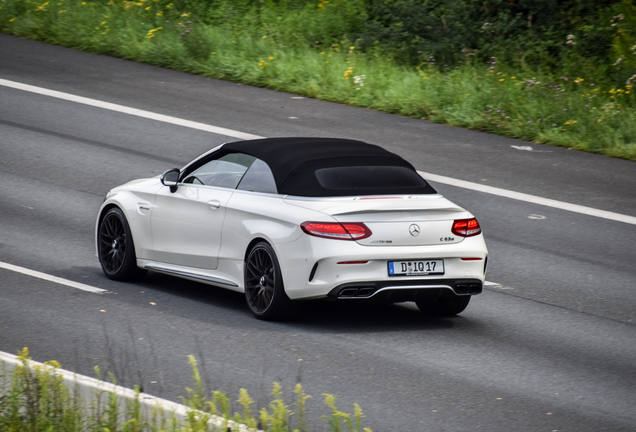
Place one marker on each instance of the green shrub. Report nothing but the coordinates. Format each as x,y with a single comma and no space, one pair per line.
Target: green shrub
35,398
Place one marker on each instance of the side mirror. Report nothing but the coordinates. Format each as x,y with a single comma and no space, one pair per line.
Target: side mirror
170,178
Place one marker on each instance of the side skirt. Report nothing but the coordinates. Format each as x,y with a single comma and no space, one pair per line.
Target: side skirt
189,273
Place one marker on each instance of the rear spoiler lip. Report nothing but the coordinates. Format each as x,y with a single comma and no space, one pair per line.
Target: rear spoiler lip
394,209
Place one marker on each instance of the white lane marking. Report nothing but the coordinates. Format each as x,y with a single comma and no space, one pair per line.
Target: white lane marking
50,278
496,285
530,149
526,148
241,135
127,110
530,198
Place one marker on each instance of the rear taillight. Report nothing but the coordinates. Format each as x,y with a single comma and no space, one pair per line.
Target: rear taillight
466,227
343,231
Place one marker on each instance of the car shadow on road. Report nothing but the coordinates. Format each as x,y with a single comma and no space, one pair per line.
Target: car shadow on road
353,317
314,315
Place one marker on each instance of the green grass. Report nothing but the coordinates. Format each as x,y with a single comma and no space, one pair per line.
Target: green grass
35,398
265,49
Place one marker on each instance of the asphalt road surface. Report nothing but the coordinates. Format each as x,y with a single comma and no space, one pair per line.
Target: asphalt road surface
549,346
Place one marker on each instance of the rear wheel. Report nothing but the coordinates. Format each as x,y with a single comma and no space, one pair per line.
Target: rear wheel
116,249
264,290
444,306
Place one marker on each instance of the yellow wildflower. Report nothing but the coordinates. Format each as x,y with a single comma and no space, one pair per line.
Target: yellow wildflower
151,33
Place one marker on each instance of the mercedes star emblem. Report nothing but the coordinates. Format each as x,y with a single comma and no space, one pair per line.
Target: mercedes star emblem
414,230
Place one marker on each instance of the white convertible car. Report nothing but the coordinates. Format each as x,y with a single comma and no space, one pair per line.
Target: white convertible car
284,219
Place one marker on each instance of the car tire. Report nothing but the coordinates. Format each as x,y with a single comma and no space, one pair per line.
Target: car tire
264,289
444,306
116,249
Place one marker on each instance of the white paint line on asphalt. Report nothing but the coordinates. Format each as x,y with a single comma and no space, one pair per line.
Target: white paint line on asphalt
530,198
242,135
50,278
127,110
496,285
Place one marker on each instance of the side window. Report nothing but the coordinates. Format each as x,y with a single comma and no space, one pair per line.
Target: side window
225,171
258,178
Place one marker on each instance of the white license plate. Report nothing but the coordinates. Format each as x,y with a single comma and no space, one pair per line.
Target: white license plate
416,268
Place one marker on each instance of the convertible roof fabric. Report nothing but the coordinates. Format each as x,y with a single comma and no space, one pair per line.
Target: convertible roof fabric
294,162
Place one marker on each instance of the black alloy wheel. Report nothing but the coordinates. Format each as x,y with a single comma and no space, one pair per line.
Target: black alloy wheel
116,248
444,306
264,290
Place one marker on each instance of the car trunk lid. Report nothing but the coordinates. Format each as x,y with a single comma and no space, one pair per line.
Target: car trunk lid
395,221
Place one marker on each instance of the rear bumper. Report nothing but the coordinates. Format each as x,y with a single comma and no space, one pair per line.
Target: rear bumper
405,290
317,268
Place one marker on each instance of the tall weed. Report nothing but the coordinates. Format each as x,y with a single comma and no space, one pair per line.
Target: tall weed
35,398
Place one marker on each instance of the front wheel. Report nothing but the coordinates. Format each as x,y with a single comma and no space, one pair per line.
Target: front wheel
444,306
116,249
264,290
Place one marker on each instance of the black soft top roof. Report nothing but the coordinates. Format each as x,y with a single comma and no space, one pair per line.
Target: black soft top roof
293,162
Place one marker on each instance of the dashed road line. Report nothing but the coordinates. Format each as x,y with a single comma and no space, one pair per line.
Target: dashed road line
128,110
575,208
50,278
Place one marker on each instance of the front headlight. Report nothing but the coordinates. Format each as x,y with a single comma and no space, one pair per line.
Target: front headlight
108,194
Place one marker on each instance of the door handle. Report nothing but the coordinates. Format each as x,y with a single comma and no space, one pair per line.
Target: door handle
214,204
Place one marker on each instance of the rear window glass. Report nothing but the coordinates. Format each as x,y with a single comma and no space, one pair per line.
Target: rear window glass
379,178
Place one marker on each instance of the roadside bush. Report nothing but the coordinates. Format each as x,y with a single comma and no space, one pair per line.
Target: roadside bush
35,398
